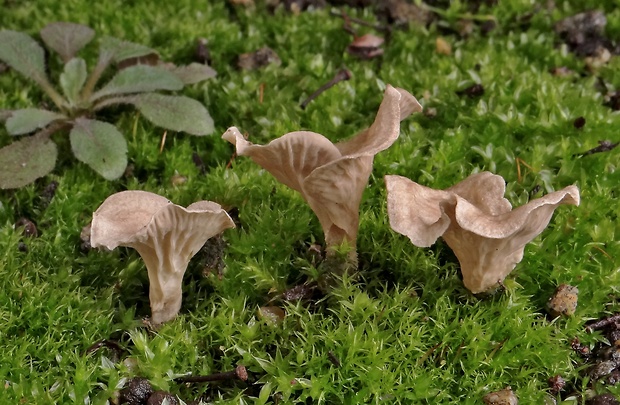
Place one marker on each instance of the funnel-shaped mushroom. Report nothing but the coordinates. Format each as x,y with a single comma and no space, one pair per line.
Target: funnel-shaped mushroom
166,235
331,177
473,217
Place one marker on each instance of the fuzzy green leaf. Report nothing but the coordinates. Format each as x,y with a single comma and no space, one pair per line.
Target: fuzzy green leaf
99,145
72,79
194,73
66,38
23,54
30,119
26,160
177,113
139,79
120,50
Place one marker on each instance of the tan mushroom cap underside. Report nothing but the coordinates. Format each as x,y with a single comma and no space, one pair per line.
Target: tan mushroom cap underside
166,235
476,221
331,177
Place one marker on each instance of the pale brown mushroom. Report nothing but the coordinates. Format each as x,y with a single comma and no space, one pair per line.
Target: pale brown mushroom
487,236
331,177
166,235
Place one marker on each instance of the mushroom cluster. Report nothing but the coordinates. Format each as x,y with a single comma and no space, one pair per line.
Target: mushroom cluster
165,235
331,177
487,236
473,217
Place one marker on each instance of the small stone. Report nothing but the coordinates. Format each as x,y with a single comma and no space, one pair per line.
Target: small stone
299,292
578,28
30,229
501,397
604,399
178,179
258,59
579,122
403,12
556,384
563,301
160,398
137,391
614,377
600,56
602,369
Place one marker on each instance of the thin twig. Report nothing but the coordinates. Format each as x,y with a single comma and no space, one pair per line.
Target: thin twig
163,142
603,323
240,373
345,17
603,146
520,162
341,75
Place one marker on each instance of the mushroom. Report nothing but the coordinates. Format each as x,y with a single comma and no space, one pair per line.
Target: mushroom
166,235
331,177
367,46
487,236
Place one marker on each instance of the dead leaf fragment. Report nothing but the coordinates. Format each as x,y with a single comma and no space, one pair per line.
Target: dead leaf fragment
258,59
563,301
442,46
403,12
561,71
501,397
299,292
272,315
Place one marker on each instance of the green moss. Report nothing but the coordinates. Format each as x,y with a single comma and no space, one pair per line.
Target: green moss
406,330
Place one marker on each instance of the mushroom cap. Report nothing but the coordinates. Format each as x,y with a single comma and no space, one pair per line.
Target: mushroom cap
397,105
331,177
523,223
475,220
367,41
416,211
123,215
166,235
132,217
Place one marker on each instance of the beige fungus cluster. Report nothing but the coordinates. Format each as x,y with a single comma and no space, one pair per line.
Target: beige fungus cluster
473,217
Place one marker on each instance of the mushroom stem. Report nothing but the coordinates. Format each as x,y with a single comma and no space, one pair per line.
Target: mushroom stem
165,282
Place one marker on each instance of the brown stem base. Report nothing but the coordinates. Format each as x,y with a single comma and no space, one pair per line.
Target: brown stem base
336,265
